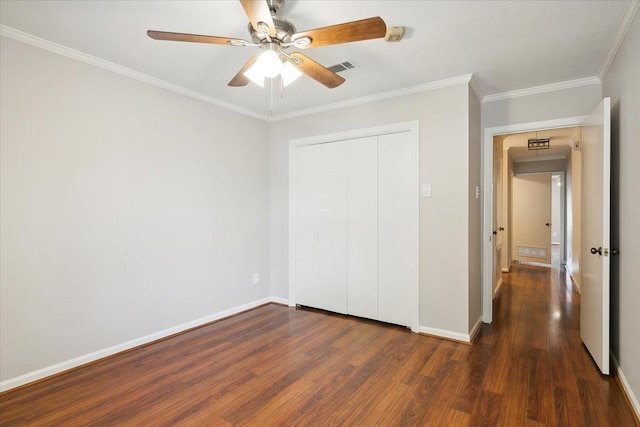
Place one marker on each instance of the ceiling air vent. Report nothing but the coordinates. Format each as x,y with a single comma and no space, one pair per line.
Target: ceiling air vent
343,66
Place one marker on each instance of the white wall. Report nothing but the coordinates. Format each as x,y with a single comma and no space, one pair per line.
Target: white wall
544,106
622,84
540,166
444,219
126,209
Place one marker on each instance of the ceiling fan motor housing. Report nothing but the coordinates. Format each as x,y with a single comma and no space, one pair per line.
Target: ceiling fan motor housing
284,30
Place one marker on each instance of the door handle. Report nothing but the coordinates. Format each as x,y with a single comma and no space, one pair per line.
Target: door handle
597,251
494,232
547,224
500,228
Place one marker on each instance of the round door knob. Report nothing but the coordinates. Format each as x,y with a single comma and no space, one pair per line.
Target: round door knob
547,224
597,251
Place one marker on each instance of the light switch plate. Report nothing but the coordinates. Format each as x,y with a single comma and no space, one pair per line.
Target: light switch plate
426,190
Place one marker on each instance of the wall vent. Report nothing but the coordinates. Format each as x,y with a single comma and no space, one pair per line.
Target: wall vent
343,66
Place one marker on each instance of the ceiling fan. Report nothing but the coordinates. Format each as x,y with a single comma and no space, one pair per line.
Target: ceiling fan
274,35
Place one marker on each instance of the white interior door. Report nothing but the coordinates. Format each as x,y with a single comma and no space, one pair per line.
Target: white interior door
595,233
362,227
531,211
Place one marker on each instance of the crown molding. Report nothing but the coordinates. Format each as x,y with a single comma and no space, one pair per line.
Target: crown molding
569,84
475,85
59,49
376,97
632,9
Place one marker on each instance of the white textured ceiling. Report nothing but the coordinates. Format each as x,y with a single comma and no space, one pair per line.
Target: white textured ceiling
508,45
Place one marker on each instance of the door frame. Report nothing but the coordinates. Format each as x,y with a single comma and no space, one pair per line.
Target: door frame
563,216
487,196
413,128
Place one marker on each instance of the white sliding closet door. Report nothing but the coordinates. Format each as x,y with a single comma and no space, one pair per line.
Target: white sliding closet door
355,225
320,236
397,228
362,227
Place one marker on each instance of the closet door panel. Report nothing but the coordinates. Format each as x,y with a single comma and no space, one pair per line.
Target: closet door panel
332,232
362,227
307,205
397,228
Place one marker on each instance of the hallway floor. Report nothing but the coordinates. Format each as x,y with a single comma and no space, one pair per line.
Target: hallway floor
546,374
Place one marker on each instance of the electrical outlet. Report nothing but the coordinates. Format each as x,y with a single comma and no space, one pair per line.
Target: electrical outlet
256,278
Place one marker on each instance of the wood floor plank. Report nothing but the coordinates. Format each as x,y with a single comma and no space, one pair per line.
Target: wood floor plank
276,365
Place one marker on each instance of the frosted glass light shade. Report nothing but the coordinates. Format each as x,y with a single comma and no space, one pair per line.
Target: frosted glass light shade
269,63
289,73
255,75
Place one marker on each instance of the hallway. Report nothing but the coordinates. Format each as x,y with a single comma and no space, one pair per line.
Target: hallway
540,367
276,365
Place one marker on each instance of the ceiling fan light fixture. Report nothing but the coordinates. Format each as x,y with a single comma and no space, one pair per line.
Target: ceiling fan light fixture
269,63
289,73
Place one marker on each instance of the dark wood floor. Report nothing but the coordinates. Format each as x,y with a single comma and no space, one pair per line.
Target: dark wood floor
280,366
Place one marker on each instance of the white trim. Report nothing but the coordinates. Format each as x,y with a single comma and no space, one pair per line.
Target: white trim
487,197
282,301
413,128
630,13
507,269
475,86
118,348
475,329
625,386
376,97
569,84
59,49
442,333
498,286
534,264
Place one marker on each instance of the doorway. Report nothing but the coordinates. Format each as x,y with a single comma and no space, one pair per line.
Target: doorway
497,224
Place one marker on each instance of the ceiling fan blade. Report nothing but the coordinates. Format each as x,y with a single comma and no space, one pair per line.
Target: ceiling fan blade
195,38
316,71
240,79
365,29
258,11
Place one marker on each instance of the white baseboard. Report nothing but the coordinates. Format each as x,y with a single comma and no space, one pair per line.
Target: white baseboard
498,286
281,301
456,336
625,386
100,354
573,278
535,264
475,329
